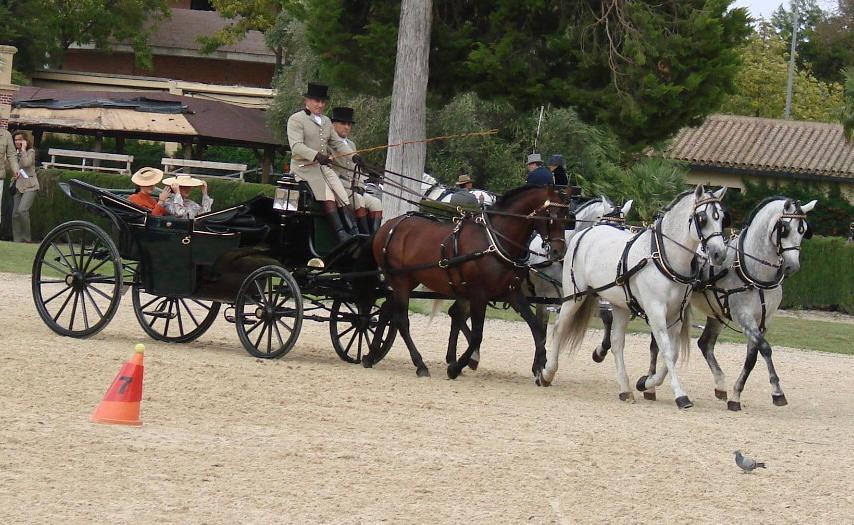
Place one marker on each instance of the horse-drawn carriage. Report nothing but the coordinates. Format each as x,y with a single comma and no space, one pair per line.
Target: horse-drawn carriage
253,258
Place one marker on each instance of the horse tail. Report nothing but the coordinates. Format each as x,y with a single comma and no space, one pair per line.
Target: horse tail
570,331
685,335
437,305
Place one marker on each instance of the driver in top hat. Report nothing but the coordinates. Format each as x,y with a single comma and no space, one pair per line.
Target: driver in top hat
369,209
313,143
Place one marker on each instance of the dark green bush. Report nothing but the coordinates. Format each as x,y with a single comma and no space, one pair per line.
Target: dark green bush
826,278
53,207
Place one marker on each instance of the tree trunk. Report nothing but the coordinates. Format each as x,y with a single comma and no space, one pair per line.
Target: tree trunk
408,119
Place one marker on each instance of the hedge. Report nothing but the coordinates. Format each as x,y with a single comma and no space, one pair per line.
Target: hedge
826,277
53,207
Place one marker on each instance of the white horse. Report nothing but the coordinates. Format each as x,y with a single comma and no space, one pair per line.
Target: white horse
434,190
747,289
612,264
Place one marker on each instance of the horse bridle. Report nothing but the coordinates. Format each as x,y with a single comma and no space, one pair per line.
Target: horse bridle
784,228
699,219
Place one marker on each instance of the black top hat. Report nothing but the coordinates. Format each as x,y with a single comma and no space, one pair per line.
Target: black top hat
343,115
318,91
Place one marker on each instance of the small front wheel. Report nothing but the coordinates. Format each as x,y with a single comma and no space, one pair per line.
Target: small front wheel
268,312
173,319
354,331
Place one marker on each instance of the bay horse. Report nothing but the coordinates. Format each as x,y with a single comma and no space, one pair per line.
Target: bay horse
746,289
613,264
479,257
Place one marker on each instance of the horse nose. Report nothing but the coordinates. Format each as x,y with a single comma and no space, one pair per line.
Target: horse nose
718,256
556,254
790,268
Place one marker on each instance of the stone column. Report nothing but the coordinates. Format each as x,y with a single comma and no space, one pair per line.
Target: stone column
7,89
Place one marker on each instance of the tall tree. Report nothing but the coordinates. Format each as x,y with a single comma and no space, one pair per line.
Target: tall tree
408,118
643,68
848,110
270,17
52,26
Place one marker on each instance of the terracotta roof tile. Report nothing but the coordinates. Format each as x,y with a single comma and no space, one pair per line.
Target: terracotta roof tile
810,148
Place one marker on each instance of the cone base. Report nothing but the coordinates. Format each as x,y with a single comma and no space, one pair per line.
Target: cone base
105,421
117,413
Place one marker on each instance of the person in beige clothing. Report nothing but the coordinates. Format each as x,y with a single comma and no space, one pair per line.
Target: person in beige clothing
313,144
368,209
7,154
26,186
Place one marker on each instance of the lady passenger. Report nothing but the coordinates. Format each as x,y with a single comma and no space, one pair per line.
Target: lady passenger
179,204
146,179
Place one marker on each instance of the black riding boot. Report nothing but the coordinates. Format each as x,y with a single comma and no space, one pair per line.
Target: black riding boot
341,232
362,222
348,220
376,220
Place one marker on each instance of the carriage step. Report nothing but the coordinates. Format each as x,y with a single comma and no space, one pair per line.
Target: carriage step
160,314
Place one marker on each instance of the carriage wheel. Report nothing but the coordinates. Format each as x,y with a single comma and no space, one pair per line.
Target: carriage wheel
268,312
171,319
353,333
77,279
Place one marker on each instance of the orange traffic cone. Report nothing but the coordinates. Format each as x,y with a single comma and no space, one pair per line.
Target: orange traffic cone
120,405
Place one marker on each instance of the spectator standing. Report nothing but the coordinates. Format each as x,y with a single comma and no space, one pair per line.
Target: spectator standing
26,186
7,154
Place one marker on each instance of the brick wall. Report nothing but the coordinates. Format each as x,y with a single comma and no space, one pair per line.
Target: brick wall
5,102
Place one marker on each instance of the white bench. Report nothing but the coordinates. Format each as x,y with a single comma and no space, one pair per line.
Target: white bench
90,156
180,167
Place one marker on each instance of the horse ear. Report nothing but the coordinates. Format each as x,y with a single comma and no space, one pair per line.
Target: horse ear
609,206
720,193
809,206
789,205
627,207
698,192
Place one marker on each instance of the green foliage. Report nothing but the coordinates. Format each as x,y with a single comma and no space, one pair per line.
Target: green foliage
52,207
831,216
761,84
644,69
47,28
825,280
653,182
848,109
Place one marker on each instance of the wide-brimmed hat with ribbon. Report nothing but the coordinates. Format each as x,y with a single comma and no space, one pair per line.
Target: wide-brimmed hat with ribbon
147,176
183,180
463,179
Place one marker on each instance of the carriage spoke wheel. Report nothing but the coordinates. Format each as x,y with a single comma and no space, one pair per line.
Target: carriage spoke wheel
353,333
171,319
268,312
77,279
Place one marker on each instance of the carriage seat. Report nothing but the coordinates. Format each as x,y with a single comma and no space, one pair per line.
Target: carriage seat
237,219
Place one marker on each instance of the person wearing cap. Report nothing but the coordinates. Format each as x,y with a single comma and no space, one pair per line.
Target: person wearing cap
368,209
463,195
557,165
179,205
146,179
464,182
537,173
313,144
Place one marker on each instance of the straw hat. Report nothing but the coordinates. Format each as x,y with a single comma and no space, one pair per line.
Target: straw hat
463,179
147,177
183,180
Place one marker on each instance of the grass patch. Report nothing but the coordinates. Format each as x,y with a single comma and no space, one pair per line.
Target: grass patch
16,257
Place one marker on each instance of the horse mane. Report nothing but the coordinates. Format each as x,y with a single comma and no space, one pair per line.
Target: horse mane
510,195
761,205
675,201
587,203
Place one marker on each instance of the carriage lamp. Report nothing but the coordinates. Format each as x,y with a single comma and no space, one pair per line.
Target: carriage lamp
287,195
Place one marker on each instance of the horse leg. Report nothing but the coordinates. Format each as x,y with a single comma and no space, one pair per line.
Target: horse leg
542,315
477,309
400,315
620,320
777,395
665,339
520,303
457,319
607,318
649,393
706,342
756,343
563,326
385,318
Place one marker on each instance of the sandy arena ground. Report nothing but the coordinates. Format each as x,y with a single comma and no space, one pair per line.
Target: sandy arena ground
310,439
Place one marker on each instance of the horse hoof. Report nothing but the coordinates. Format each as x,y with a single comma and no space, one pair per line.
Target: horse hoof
683,402
779,401
597,358
453,371
422,372
473,364
733,406
627,397
366,362
641,386
720,394
539,380
649,396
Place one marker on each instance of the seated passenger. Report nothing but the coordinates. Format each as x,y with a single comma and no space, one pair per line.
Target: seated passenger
146,179
178,204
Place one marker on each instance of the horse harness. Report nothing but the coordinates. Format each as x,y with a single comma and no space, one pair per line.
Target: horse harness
658,256
721,295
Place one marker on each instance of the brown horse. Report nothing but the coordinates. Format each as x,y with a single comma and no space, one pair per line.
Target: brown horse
480,258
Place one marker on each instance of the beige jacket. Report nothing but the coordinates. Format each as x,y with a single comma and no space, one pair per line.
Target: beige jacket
307,139
27,162
344,166
8,153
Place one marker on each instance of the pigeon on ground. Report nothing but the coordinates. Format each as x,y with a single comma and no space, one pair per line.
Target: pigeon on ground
747,464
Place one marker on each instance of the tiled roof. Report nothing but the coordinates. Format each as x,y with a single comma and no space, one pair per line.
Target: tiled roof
771,145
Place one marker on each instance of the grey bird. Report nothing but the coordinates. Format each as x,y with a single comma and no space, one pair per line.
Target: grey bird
747,464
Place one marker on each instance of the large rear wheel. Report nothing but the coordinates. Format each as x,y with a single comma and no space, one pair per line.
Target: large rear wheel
77,279
172,319
353,332
268,312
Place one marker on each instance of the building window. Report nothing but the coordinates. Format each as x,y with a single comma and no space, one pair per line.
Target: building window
201,5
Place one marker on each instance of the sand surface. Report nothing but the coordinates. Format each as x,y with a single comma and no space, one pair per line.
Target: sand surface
311,439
